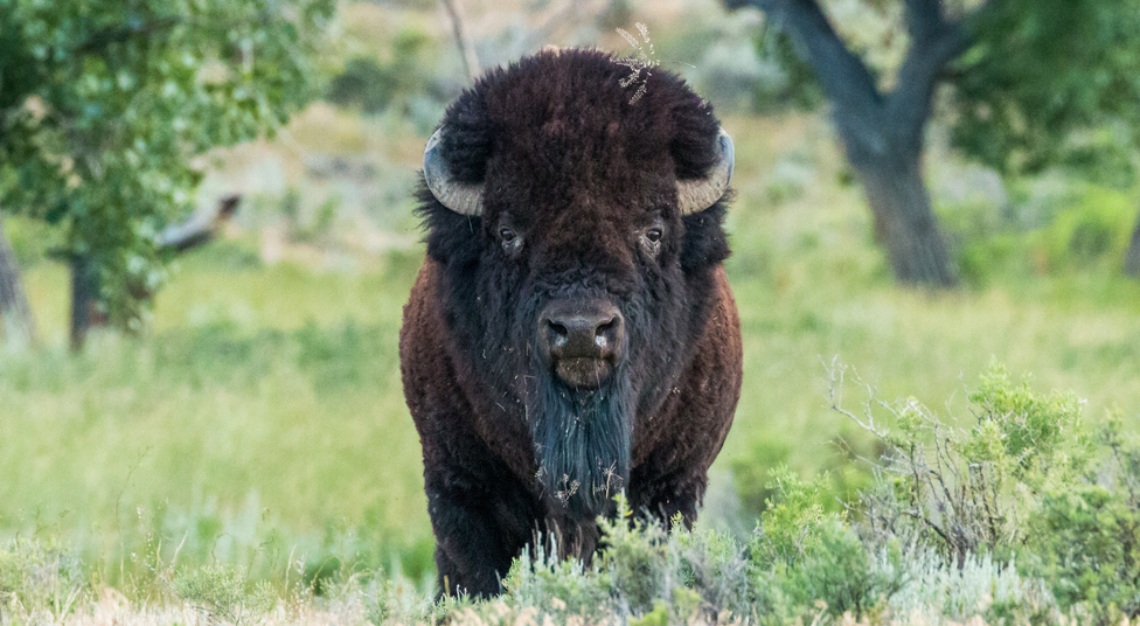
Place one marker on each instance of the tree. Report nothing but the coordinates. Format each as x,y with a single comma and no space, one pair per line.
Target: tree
105,104
1028,75
86,309
16,326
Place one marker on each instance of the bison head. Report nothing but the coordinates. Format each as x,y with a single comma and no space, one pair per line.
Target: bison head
578,227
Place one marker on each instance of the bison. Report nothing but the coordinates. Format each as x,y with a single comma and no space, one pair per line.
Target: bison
571,334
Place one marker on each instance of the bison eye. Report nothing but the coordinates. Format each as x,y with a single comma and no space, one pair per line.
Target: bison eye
651,240
512,242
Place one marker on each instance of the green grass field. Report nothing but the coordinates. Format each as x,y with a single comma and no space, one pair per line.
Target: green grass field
259,422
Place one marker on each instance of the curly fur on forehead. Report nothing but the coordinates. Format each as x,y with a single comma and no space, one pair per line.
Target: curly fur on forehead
566,112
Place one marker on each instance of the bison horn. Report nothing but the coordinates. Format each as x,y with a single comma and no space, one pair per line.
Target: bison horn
463,198
694,196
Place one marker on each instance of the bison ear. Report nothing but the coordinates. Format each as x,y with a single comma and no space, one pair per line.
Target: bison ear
705,243
697,194
449,234
463,198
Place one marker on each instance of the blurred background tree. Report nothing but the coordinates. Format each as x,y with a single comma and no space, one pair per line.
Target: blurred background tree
1035,83
105,104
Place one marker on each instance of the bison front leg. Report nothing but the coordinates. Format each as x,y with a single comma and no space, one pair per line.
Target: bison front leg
667,498
480,528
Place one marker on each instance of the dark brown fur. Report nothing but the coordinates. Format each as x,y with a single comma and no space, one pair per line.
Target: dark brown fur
579,173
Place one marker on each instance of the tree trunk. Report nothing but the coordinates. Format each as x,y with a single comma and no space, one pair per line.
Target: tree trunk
1132,256
18,328
85,313
882,133
904,221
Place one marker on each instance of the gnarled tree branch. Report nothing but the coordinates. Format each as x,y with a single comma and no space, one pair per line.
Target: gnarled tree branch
935,42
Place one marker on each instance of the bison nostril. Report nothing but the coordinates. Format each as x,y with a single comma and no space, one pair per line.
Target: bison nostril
557,334
605,333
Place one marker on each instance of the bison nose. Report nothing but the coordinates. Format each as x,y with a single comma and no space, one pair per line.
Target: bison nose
585,336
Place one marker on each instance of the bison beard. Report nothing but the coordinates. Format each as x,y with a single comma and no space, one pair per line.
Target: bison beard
582,440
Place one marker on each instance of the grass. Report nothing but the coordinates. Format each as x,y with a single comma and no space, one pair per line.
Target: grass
259,426
223,433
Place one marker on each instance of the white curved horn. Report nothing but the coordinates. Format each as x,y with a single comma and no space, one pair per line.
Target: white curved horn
694,196
463,198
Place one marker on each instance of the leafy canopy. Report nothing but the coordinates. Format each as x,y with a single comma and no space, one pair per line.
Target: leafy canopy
1042,76
105,103
1041,83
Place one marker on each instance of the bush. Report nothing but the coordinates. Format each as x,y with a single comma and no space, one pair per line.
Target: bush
643,572
1095,229
1025,514
1027,485
375,85
39,582
1084,538
1086,230
224,593
809,559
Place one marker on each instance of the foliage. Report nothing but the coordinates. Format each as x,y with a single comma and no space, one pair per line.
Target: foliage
803,556
1028,484
1087,232
1091,233
39,582
1026,515
643,573
1085,537
106,104
965,491
375,85
223,592
1042,83
1042,76
797,87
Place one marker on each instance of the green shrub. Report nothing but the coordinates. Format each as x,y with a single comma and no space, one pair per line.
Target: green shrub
642,573
540,580
1023,515
39,582
981,258
1084,537
224,593
1094,230
806,557
1028,483
374,85
968,491
1085,230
